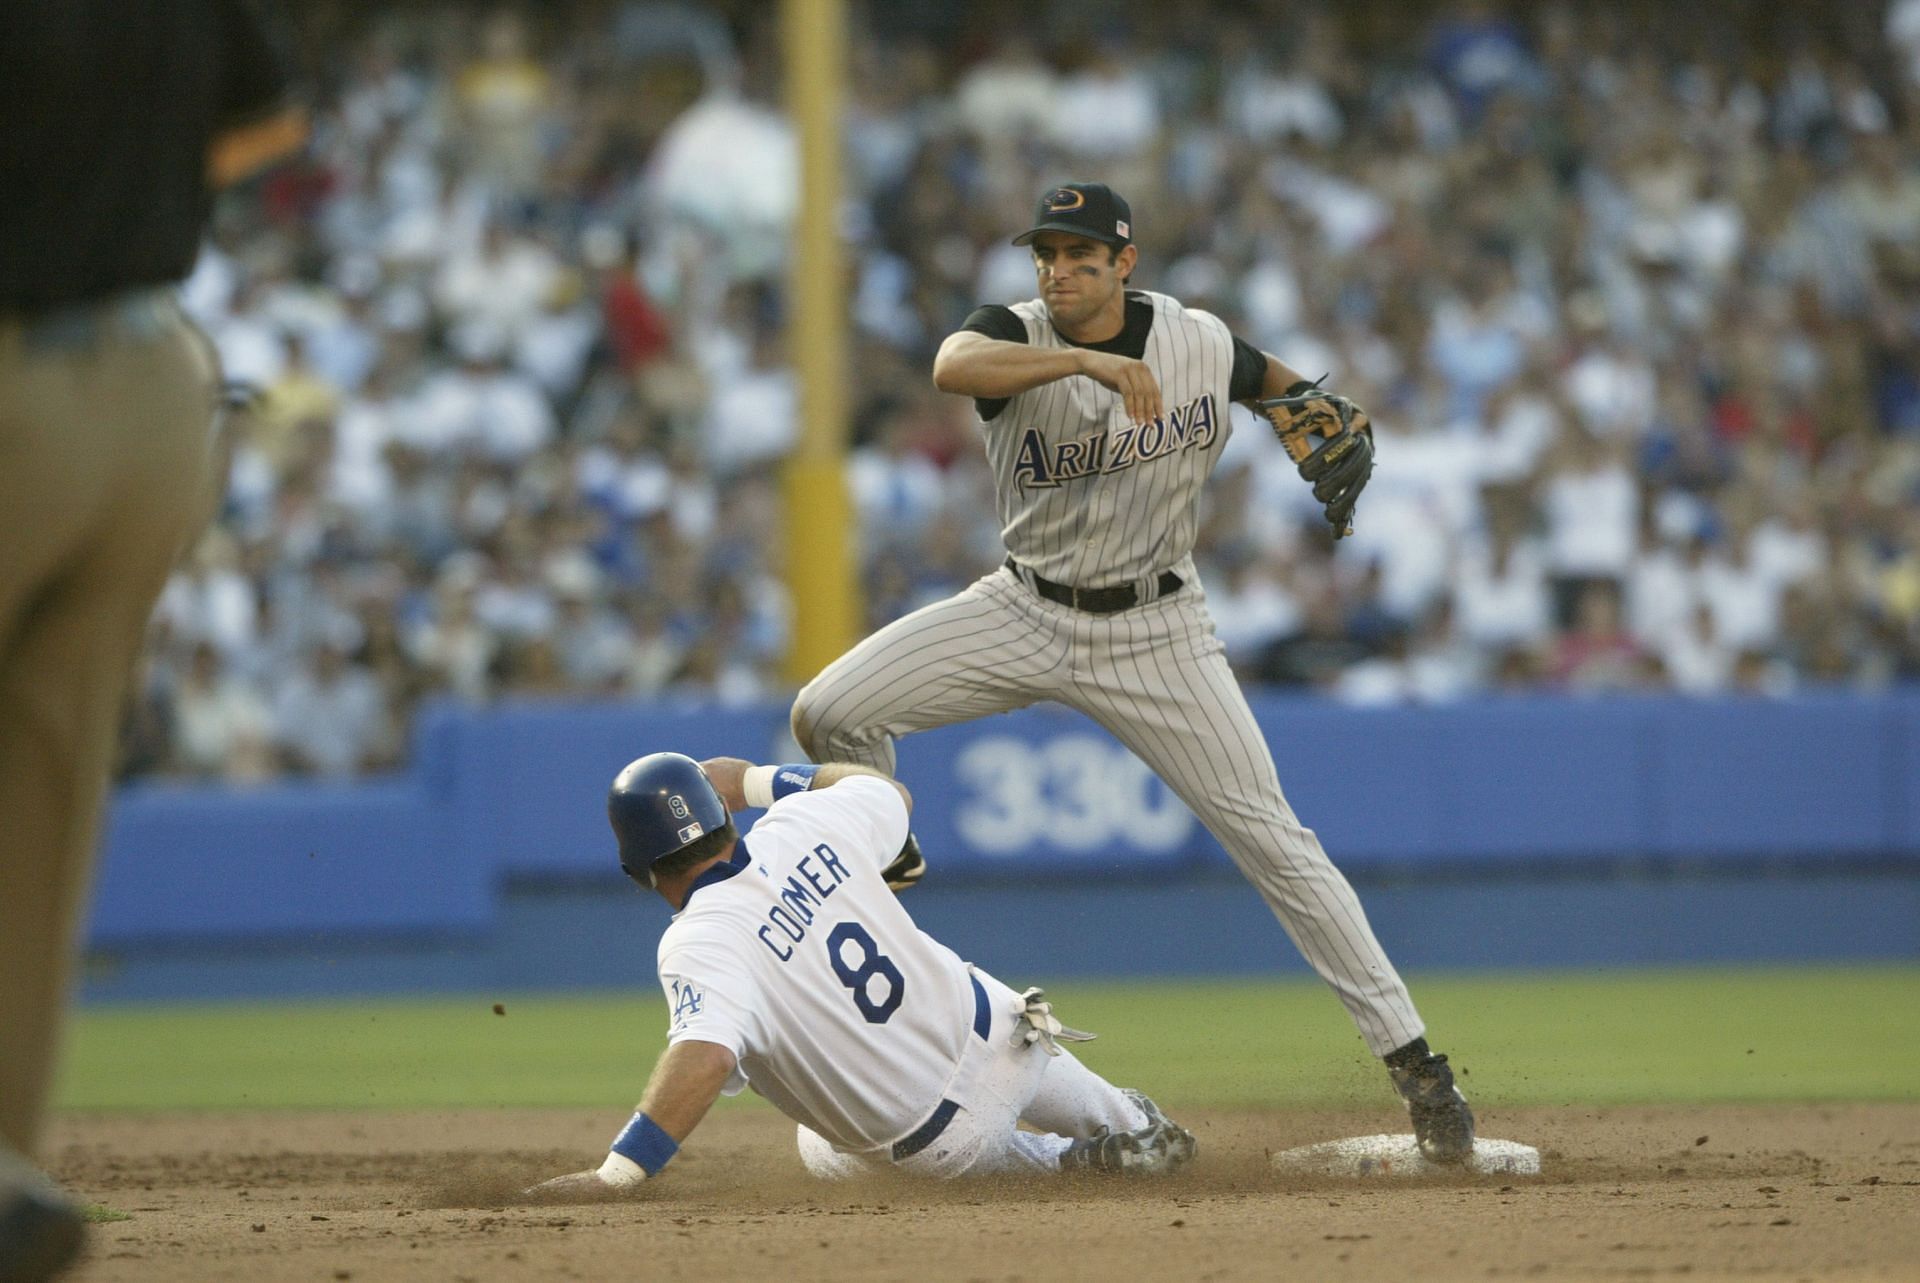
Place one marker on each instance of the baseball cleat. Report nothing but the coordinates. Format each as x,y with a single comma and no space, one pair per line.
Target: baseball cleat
1156,1117
1160,1148
40,1231
1442,1122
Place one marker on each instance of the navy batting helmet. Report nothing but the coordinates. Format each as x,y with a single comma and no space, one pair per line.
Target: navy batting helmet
659,804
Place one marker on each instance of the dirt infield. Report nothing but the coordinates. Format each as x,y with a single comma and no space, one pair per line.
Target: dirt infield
1810,1192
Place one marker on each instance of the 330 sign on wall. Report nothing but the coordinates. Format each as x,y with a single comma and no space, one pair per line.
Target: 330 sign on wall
1072,792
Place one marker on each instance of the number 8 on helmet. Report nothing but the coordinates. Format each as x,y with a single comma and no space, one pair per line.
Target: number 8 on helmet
661,805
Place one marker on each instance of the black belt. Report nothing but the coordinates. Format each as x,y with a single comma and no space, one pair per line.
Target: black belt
928,1132
1095,601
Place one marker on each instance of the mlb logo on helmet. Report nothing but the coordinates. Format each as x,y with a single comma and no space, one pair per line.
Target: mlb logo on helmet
691,832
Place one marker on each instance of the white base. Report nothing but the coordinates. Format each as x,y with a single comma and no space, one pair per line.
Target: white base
1400,1156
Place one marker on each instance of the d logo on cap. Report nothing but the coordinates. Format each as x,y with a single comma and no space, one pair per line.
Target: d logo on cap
1064,199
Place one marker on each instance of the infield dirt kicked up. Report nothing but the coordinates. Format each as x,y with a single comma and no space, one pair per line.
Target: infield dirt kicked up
1826,1191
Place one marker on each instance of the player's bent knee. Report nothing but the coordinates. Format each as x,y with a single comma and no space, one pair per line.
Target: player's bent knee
803,722
822,1160
818,737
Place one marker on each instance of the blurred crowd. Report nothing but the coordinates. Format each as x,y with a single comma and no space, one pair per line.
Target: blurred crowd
1632,293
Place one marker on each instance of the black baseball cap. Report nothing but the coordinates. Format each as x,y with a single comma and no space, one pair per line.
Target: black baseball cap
1084,209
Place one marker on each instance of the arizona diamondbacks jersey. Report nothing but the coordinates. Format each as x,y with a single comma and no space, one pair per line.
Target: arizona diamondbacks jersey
1089,499
799,960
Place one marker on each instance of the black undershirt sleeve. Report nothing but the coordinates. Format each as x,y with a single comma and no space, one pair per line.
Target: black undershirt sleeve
996,322
1249,371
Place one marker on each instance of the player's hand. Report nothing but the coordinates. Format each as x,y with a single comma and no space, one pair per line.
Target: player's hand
1132,379
728,775
573,1187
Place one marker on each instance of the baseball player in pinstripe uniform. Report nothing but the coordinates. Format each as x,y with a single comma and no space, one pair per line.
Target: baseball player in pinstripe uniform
1104,411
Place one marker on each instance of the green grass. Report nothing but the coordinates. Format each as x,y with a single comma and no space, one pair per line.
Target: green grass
1589,1037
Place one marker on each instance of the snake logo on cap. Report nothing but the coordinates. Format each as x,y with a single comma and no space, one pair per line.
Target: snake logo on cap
1064,199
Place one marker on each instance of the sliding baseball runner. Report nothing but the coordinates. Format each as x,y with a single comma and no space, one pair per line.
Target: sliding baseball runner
791,968
1104,411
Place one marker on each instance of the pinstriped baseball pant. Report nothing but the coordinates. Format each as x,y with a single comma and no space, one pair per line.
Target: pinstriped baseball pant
1157,679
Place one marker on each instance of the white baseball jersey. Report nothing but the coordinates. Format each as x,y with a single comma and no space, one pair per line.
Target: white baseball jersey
797,958
1088,498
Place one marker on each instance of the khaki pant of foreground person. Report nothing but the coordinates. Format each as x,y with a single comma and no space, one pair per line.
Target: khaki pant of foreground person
106,430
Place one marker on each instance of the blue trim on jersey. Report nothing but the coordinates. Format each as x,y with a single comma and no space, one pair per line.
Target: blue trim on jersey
731,867
793,777
982,1012
646,1143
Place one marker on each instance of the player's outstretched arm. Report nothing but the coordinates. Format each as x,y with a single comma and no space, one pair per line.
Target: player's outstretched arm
685,1083
1279,377
971,364
741,784
1328,437
831,773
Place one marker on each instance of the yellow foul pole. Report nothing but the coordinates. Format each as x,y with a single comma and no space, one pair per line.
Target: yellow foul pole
820,572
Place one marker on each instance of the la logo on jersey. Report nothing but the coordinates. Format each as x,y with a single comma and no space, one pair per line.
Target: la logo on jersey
1193,426
687,1001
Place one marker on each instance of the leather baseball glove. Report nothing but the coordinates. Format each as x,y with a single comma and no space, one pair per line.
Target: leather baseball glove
907,868
1340,464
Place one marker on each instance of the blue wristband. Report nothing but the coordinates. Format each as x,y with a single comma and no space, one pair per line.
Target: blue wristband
644,1142
793,777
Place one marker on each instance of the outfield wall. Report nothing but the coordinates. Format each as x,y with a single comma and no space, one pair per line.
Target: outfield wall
1763,829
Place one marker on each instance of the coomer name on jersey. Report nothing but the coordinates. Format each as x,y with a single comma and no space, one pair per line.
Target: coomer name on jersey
1038,466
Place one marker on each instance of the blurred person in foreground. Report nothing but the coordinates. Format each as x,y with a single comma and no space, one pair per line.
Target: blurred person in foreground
791,968
108,400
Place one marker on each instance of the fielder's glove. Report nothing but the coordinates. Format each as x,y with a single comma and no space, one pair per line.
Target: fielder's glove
907,868
1340,465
